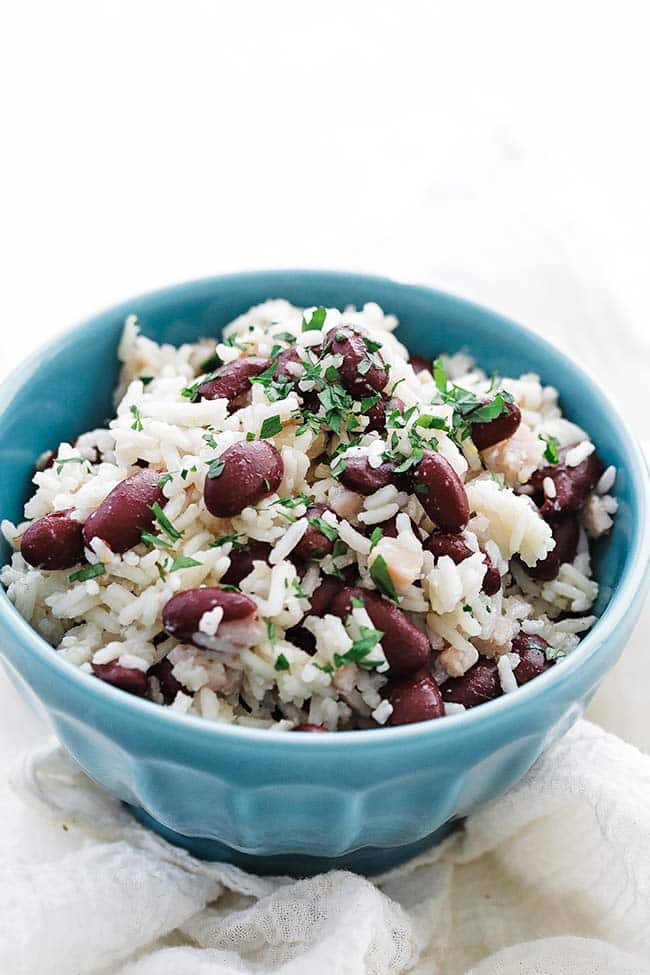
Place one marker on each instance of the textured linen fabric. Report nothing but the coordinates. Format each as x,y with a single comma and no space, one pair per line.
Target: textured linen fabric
554,877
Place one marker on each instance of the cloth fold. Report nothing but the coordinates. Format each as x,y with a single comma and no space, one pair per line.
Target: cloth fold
554,878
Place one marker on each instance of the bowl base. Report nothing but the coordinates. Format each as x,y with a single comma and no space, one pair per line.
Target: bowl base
369,861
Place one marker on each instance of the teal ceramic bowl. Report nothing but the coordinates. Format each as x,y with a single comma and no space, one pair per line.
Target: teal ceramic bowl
300,803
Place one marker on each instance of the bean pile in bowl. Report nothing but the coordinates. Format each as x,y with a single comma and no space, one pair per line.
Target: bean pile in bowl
302,527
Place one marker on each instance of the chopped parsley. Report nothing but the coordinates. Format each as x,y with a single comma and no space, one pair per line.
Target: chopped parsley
88,572
209,439
137,422
281,663
376,535
216,468
68,460
155,540
224,539
164,479
165,523
270,633
271,426
316,321
553,653
183,562
467,407
326,668
357,603
299,591
358,652
381,577
550,451
330,533
339,548
145,380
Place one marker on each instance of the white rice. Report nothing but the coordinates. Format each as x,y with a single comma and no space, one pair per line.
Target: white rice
270,681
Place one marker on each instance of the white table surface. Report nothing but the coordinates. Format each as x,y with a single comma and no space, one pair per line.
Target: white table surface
493,150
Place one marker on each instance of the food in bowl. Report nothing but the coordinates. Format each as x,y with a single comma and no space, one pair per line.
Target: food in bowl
301,527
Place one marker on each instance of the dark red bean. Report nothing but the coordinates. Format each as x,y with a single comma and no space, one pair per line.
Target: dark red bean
349,343
486,434
241,561
414,698
359,476
444,543
421,364
126,512
481,683
572,484
566,533
389,528
182,613
128,679
252,470
532,651
54,541
284,359
310,727
377,414
406,647
169,686
440,491
321,598
302,638
313,544
232,381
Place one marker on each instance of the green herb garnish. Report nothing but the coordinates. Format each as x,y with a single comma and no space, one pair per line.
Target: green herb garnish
376,535
271,426
550,451
88,572
68,460
183,562
164,479
330,533
216,467
165,523
150,539
381,577
358,652
137,422
316,321
281,663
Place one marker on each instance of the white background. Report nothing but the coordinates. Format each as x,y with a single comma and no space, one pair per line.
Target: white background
499,150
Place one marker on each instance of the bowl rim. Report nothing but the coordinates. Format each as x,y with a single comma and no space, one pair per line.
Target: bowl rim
636,572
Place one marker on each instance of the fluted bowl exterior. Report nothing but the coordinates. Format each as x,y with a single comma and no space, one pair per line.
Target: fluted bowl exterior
298,801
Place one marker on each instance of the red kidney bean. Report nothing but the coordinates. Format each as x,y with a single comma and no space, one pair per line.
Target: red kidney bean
182,613
169,686
252,470
377,414
302,638
566,533
443,543
486,434
313,544
421,364
284,359
54,541
128,679
241,561
440,491
310,727
389,528
532,651
349,343
406,647
359,476
572,484
481,683
126,512
232,380
414,698
321,598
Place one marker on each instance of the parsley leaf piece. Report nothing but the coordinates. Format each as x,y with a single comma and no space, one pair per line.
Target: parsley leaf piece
68,460
164,479
183,562
330,533
297,588
270,632
145,380
88,572
137,422
165,523
281,663
428,422
216,468
360,649
326,668
381,577
209,439
271,426
376,535
439,375
553,653
316,321
550,452
340,548
228,538
357,603
155,540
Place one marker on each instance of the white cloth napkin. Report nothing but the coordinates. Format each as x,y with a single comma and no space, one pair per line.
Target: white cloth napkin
552,878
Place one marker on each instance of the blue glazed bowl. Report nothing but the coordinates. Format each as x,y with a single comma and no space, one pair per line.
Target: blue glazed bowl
299,803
